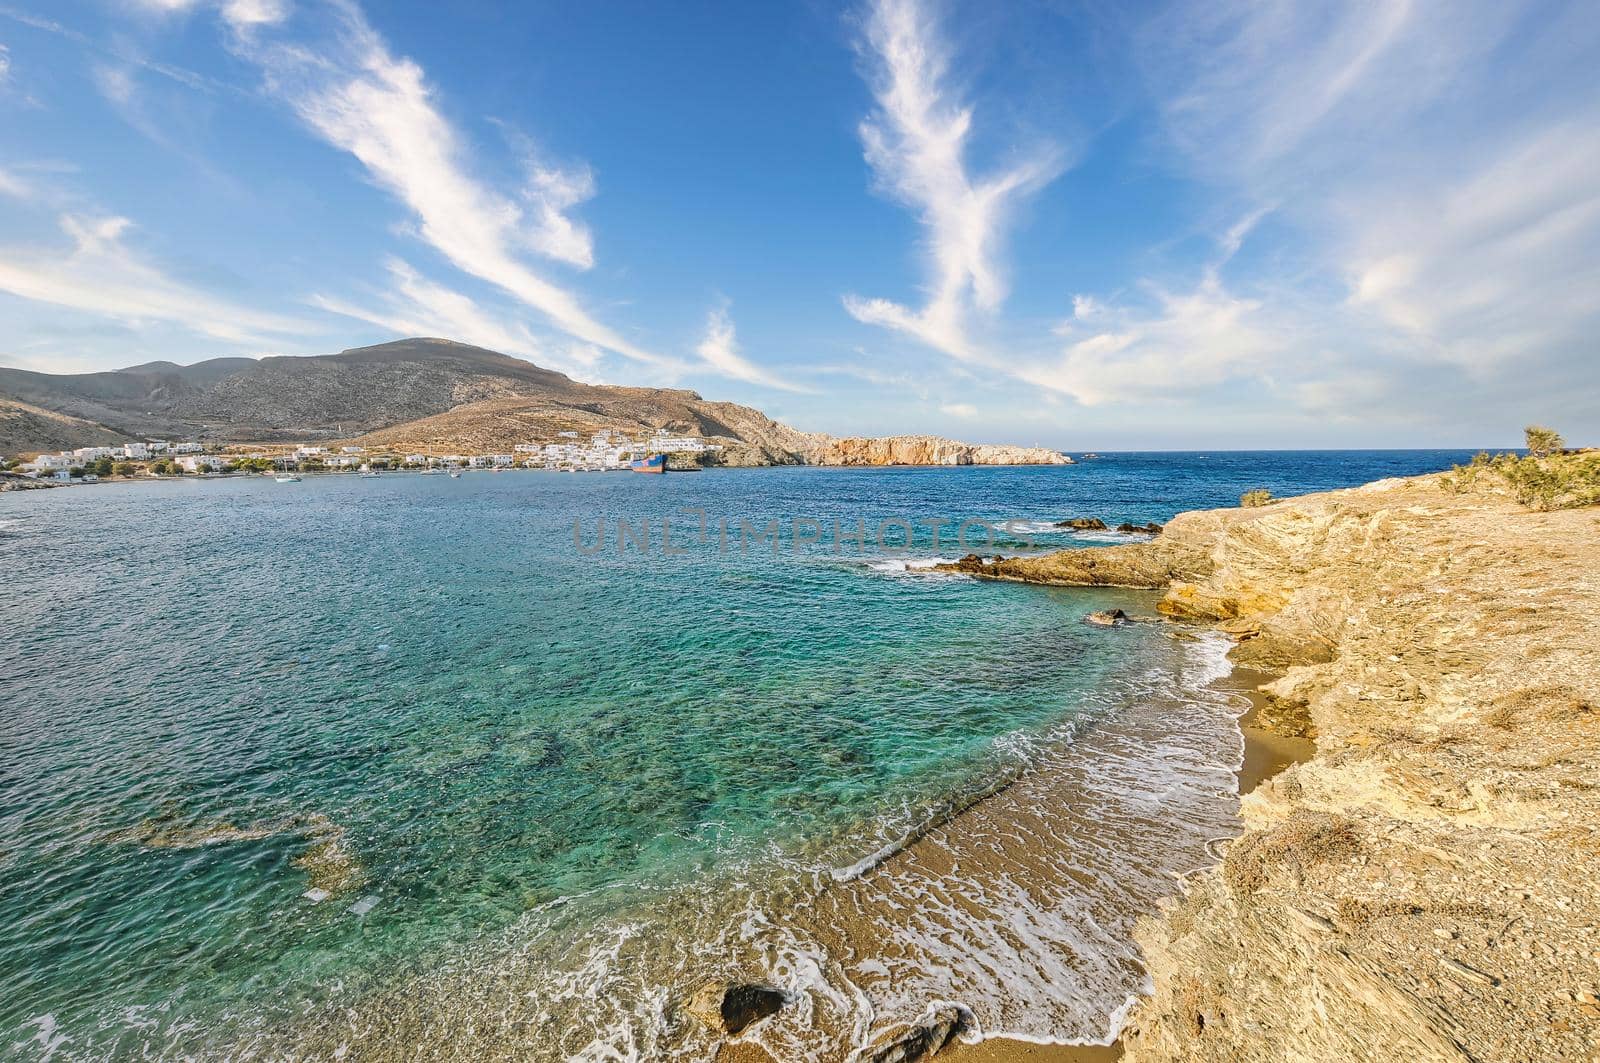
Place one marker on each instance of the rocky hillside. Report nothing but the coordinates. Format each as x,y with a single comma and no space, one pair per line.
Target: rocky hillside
927,450
1423,888
319,397
425,395
24,427
498,424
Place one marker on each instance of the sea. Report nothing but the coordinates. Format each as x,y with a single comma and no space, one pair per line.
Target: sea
509,765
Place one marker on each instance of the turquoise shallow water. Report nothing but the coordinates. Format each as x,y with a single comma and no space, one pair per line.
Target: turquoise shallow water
426,682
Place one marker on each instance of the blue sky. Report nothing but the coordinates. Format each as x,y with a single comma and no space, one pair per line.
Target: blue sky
1084,225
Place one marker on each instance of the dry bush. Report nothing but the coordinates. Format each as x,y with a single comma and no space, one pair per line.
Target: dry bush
1259,497
1355,912
1307,839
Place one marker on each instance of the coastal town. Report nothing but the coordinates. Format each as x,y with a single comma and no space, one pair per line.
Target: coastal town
603,451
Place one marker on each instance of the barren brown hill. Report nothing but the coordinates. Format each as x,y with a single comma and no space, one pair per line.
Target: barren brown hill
498,424
24,428
287,398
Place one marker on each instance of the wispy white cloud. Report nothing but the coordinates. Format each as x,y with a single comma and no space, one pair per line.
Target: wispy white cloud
355,94
14,186
100,274
417,306
237,13
1429,171
719,350
246,13
116,84
964,410
1494,265
917,143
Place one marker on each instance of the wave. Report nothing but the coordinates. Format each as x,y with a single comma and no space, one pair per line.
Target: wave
902,565
1051,528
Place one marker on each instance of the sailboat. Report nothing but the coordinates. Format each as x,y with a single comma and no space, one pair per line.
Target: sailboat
283,475
368,470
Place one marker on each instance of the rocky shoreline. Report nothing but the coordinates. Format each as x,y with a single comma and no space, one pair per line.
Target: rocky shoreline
1422,887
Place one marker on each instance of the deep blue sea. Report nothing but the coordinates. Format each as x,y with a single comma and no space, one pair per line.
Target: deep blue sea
416,760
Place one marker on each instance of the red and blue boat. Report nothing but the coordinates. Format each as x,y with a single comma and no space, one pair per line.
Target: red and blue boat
654,463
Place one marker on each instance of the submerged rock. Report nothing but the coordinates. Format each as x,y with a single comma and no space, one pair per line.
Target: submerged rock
328,865
1107,618
731,1008
1083,524
918,1041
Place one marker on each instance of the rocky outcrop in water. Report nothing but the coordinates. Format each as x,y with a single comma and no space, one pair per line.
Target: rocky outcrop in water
1423,887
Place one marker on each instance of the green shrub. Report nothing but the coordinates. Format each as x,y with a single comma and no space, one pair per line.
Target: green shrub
1545,479
1542,441
1259,497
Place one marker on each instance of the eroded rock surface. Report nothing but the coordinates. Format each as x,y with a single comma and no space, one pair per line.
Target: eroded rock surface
1423,888
928,450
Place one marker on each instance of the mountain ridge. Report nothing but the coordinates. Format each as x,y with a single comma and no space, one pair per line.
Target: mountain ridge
422,394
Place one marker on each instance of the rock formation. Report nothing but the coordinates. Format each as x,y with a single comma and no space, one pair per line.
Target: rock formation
919,1040
729,1008
1423,888
926,450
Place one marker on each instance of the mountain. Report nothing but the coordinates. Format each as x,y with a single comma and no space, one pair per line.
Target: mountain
416,395
286,398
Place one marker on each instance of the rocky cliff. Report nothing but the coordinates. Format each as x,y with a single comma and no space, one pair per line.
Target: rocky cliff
1423,888
925,450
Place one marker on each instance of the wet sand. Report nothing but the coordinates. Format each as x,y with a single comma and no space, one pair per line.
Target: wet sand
1266,753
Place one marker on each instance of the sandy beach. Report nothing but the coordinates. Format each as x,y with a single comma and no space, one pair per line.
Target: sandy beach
1266,753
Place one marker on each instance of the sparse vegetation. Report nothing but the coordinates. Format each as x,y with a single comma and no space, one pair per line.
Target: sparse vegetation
1544,479
1259,497
1542,441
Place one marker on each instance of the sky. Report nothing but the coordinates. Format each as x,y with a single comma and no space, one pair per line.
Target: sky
1075,223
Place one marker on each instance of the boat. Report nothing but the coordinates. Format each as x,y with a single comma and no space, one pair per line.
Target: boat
455,474
368,470
654,463
283,475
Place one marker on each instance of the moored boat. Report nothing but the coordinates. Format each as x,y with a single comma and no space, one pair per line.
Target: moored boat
654,463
